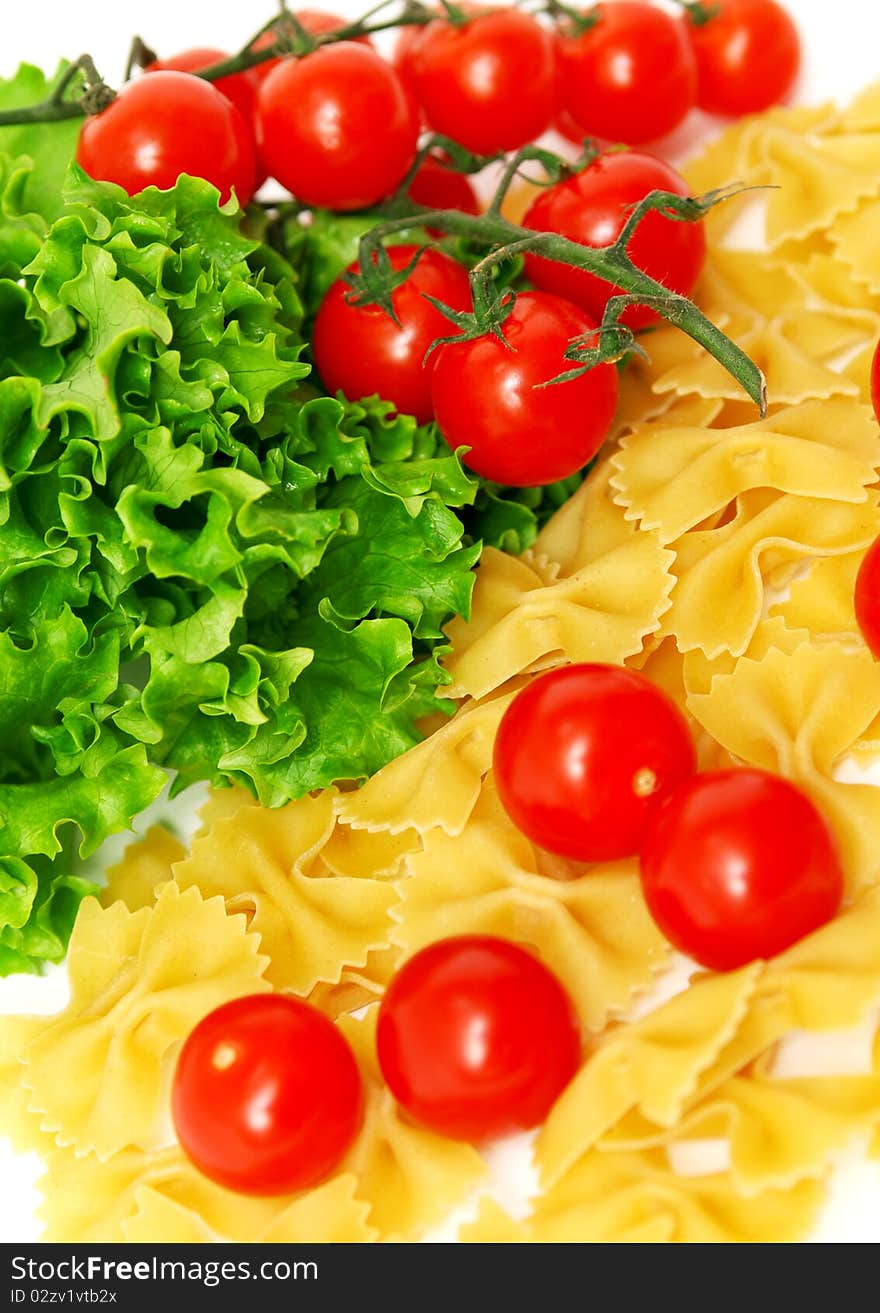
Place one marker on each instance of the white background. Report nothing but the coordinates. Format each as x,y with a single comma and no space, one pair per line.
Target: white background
842,55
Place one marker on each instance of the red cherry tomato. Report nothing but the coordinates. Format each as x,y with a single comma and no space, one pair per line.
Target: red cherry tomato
739,865
161,126
748,55
441,187
402,55
868,598
240,88
267,1095
592,208
632,76
489,83
314,21
476,1038
489,396
585,755
360,350
337,128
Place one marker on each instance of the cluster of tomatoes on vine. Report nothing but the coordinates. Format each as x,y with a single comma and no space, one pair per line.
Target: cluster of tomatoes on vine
339,128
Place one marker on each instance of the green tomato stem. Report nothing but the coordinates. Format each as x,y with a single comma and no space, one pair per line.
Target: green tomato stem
611,263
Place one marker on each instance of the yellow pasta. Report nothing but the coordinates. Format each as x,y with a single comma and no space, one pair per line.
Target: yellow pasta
312,923
532,613
145,865
589,925
798,714
725,573
673,480
409,1177
437,783
139,982
637,1198
653,1065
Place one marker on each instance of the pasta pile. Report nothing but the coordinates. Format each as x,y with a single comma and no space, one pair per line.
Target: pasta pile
712,551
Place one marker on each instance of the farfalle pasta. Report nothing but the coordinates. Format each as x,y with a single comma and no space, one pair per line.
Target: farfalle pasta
589,925
139,982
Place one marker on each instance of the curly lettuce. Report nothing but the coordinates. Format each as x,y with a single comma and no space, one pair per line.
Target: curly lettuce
205,567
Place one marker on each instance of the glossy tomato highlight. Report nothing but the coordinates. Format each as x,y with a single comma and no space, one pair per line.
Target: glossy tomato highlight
267,1096
584,757
476,1039
739,865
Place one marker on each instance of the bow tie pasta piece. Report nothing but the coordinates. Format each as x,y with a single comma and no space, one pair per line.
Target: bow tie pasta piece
311,923
329,1214
653,1065
159,1220
410,1177
146,864
798,714
89,1201
437,783
591,929
747,285
537,611
16,1122
853,236
724,573
815,178
863,113
139,983
831,979
672,479
778,1132
822,600
613,1197
734,157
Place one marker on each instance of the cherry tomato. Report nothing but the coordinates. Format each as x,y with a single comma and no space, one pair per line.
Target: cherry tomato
441,187
403,52
360,350
739,865
161,126
314,21
337,128
476,1038
267,1096
632,76
585,755
489,83
240,88
592,208
488,396
748,55
868,598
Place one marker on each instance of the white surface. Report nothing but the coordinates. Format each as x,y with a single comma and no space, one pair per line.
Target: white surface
841,57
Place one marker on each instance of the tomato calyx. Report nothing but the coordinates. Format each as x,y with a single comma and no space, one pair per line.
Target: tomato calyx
576,21
699,12
376,284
